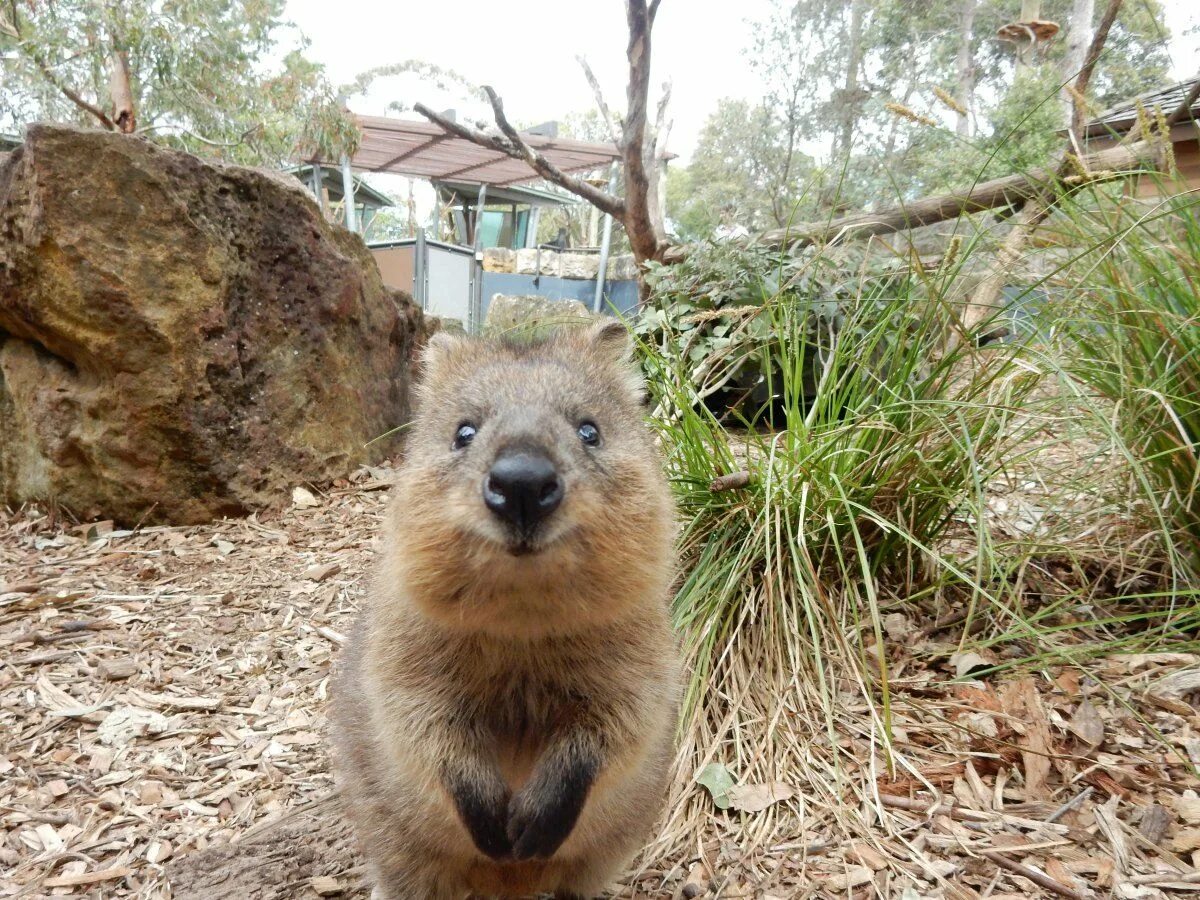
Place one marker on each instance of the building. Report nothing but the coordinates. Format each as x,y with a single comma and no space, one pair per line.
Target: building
484,201
1112,126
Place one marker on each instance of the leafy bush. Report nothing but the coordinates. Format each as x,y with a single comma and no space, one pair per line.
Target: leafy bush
710,313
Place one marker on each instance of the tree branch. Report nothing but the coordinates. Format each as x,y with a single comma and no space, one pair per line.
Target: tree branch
71,95
614,131
1006,191
645,236
1184,109
1089,65
513,145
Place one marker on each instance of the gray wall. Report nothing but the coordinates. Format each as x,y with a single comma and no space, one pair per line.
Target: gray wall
619,295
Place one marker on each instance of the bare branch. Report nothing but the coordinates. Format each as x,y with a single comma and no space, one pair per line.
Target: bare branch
610,120
70,94
1184,109
1089,63
49,75
474,135
511,144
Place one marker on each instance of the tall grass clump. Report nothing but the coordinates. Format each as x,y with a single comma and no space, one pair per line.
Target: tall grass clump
1134,340
865,434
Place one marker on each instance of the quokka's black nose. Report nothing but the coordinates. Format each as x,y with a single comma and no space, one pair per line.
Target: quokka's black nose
523,488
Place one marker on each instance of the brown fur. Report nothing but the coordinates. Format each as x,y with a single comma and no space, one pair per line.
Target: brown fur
504,668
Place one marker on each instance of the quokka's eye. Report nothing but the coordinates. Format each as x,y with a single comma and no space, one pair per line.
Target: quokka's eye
589,433
464,435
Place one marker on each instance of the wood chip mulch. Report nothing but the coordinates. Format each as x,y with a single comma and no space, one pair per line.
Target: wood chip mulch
162,694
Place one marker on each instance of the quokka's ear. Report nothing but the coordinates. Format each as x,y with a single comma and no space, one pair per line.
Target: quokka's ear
439,350
611,340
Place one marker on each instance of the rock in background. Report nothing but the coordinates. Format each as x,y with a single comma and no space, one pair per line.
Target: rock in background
181,340
529,315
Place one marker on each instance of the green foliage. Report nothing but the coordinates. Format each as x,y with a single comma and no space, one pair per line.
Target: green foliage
196,75
1025,124
1135,333
742,173
750,169
707,312
883,439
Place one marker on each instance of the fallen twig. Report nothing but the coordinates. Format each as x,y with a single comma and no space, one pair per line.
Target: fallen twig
731,482
1033,875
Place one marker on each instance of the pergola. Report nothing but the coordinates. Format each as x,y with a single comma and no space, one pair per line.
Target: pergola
423,150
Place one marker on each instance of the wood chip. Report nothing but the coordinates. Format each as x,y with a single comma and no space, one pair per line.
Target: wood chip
118,669
88,877
322,571
326,886
1155,821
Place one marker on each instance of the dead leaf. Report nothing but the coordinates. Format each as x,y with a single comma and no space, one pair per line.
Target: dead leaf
1087,725
303,498
1022,703
716,778
852,878
757,797
967,663
1175,685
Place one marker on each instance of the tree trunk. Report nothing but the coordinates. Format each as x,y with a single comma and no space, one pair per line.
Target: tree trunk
1031,11
121,91
965,66
1000,192
1078,36
848,114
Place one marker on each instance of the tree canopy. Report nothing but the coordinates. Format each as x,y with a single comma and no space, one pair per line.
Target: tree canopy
896,100
218,77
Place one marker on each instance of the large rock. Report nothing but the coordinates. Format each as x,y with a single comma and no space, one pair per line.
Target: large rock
181,340
530,315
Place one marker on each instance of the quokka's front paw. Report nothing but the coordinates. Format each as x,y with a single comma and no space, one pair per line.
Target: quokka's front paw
540,819
483,809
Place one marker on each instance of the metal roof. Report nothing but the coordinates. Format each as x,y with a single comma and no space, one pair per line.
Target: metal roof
511,194
424,150
1122,116
331,178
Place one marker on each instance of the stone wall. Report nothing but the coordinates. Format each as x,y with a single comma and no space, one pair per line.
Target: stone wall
564,264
